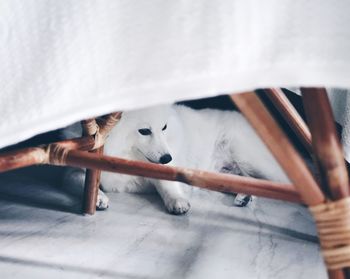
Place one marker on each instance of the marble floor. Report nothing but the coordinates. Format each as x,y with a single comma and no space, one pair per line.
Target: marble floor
44,236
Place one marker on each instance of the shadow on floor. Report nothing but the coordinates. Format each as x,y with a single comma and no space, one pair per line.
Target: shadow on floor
20,188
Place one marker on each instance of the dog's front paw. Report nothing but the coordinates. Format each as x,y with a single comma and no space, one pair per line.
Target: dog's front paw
102,201
242,200
178,206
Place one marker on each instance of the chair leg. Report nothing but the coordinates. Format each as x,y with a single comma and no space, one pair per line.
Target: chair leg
289,159
325,144
291,116
327,149
92,183
325,141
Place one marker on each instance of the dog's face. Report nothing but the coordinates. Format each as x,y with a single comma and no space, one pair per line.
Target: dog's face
148,137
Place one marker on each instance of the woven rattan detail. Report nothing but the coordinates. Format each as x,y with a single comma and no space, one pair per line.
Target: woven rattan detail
333,225
57,154
101,128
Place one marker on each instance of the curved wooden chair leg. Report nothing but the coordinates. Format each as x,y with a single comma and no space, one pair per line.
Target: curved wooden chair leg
327,150
267,128
91,127
92,184
290,115
325,143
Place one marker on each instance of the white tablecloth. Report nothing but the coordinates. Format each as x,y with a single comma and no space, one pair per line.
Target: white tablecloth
62,61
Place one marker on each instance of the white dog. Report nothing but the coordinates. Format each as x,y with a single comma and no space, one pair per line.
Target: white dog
206,139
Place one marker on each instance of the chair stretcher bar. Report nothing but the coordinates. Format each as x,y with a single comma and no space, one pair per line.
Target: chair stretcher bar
203,179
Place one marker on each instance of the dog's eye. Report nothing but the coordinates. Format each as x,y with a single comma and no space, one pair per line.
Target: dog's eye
145,132
165,126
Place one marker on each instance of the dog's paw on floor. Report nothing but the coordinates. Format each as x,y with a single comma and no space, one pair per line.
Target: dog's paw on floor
102,201
242,200
178,206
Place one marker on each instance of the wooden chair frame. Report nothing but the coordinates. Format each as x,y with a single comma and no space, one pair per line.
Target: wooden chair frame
321,141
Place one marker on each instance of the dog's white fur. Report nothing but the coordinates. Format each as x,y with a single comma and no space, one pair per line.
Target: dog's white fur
205,139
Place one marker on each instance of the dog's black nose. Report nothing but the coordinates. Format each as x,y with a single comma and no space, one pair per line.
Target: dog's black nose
166,158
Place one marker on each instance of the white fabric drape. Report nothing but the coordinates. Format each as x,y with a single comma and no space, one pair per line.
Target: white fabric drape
62,61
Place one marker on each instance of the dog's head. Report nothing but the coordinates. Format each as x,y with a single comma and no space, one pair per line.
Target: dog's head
148,130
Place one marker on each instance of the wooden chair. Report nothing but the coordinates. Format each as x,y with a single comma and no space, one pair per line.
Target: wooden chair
330,207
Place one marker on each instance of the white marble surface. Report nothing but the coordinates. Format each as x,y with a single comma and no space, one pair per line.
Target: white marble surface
43,236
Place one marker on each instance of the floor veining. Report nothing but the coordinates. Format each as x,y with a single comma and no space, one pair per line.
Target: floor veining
42,235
